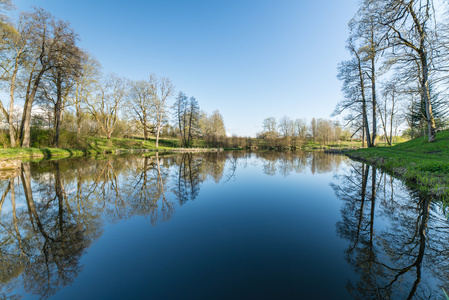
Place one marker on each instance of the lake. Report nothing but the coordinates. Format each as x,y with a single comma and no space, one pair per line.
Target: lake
226,225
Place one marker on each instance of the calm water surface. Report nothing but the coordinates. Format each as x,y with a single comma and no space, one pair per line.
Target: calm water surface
268,225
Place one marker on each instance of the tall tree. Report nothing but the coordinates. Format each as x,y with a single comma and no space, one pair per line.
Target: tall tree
352,73
369,32
48,37
60,80
163,89
18,42
5,25
109,99
300,129
193,119
410,27
313,129
370,37
140,98
84,88
389,111
180,108
286,126
212,128
270,125
187,114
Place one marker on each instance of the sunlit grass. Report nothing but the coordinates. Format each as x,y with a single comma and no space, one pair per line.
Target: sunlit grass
94,145
426,164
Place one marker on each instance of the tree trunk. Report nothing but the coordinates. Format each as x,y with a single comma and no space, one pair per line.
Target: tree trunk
14,215
25,128
384,126
2,200
190,127
145,128
78,123
362,88
158,129
373,206
373,92
425,92
363,132
12,132
58,109
26,123
391,118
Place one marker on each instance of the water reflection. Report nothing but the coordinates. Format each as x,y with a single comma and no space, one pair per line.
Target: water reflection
64,205
395,235
296,161
52,212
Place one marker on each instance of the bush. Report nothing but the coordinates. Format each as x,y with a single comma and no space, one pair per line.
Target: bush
40,138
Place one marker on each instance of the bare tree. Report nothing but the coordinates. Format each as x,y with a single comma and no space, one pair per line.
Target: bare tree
300,129
366,43
389,111
353,76
18,42
84,88
105,108
60,81
212,128
187,114
410,27
286,126
48,37
140,98
313,129
270,125
163,89
5,25
371,37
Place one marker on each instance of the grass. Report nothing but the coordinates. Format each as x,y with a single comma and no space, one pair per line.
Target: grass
445,294
38,152
426,164
335,146
306,146
93,145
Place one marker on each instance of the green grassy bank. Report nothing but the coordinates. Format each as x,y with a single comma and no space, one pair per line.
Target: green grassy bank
92,146
426,164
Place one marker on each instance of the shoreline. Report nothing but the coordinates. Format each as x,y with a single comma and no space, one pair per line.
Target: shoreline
385,158
433,183
38,154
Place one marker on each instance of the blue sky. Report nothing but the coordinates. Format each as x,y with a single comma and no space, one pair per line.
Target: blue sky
249,59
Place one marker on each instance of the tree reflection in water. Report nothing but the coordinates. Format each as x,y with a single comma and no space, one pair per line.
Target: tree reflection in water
395,237
297,161
64,205
53,211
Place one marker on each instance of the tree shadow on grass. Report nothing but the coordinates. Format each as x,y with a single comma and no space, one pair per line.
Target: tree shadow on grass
70,152
46,152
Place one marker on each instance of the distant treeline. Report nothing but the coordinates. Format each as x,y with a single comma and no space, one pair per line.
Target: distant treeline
295,133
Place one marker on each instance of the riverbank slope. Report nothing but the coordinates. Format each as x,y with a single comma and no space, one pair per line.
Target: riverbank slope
423,163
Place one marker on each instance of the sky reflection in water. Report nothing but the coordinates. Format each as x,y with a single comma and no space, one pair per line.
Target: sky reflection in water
268,225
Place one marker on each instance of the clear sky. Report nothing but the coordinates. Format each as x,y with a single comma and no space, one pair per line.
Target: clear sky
250,59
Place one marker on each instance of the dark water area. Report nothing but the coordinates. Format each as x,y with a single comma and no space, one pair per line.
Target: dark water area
232,225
